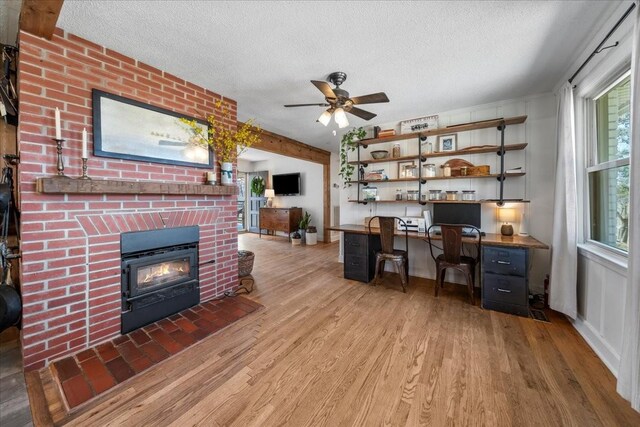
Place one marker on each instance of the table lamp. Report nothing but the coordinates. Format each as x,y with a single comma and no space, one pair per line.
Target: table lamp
269,194
506,215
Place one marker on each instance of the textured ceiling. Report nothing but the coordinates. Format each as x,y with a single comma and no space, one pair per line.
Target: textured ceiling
427,56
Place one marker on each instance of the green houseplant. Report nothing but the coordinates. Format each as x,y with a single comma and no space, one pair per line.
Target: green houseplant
222,139
303,224
347,144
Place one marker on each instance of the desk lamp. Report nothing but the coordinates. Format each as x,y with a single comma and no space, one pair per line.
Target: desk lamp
506,215
269,194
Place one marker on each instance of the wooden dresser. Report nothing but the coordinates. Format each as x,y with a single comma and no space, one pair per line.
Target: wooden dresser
280,219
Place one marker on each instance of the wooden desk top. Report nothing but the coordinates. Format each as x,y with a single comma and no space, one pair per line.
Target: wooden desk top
488,239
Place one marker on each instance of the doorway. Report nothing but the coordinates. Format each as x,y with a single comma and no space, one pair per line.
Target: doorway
242,201
255,201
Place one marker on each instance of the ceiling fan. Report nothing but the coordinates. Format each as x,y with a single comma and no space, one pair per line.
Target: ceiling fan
339,102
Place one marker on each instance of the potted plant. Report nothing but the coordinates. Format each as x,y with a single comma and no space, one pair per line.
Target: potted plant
311,235
296,239
222,139
257,185
304,223
348,143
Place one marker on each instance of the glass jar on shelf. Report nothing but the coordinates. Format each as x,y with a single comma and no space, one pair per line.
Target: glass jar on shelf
398,194
452,195
395,152
446,170
412,195
468,195
429,170
434,195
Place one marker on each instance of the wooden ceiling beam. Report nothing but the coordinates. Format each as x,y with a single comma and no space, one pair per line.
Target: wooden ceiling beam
278,144
39,17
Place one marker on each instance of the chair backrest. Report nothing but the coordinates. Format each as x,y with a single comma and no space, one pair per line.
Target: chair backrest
452,241
387,232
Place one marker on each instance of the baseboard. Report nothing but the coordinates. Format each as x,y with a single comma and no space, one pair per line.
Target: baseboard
602,349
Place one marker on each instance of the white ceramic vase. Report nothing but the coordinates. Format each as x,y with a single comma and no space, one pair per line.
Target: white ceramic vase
226,173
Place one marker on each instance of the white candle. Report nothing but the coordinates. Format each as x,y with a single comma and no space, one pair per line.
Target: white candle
58,128
84,143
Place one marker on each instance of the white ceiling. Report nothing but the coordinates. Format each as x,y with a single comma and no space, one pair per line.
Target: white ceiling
428,57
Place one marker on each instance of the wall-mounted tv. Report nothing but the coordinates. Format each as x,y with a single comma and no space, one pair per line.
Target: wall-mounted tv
286,184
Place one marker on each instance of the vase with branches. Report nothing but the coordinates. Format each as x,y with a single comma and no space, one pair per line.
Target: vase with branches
226,142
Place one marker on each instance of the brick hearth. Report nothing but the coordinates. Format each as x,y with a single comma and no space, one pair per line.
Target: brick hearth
70,270
96,370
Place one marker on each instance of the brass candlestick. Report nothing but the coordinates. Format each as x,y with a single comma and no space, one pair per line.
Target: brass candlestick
60,166
84,169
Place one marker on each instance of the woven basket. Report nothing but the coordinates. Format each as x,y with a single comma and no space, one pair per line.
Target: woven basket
245,263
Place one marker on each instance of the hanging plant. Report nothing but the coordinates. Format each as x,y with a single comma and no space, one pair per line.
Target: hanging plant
257,186
347,144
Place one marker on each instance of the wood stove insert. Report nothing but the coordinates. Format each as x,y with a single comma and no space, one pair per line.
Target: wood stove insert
159,274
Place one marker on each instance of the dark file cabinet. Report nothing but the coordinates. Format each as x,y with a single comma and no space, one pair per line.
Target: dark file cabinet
360,256
505,283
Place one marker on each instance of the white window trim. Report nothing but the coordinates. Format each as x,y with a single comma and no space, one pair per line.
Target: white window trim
593,247
605,256
611,164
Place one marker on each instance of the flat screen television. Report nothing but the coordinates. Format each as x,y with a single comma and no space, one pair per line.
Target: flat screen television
457,213
286,184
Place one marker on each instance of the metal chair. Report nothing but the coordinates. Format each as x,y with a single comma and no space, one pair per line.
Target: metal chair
451,256
399,258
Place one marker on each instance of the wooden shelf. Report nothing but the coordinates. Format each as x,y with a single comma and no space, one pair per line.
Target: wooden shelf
99,186
375,181
487,149
442,201
463,127
436,178
387,160
493,175
480,150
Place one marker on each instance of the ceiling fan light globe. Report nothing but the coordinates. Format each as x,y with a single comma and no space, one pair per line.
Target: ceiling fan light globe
341,118
325,117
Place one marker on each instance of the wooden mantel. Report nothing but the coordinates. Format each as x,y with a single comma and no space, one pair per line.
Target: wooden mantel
99,186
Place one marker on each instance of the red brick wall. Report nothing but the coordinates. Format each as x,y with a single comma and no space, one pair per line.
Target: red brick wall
70,275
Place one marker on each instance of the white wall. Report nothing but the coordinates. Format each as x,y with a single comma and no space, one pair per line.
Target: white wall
311,199
538,159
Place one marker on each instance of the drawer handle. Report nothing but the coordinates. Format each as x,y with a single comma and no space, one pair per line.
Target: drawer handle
504,262
354,263
354,244
506,291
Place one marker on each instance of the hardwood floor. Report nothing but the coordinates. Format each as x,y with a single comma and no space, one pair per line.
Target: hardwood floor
327,351
14,401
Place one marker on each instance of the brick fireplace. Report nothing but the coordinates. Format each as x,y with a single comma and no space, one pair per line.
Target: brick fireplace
71,253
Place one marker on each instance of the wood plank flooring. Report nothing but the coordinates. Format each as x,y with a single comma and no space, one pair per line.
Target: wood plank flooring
328,351
14,401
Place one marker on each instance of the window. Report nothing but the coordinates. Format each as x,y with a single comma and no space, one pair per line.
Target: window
608,169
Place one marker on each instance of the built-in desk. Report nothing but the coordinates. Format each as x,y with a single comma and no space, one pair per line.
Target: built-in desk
491,239
504,268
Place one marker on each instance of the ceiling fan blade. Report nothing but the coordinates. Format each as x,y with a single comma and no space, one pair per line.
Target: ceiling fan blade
361,113
307,105
373,98
324,88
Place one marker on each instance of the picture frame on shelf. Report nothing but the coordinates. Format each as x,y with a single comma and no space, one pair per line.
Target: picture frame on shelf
447,142
403,168
370,194
419,124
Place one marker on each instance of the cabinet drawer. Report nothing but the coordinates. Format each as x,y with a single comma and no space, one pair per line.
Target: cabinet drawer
518,310
355,244
356,267
511,261
505,289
